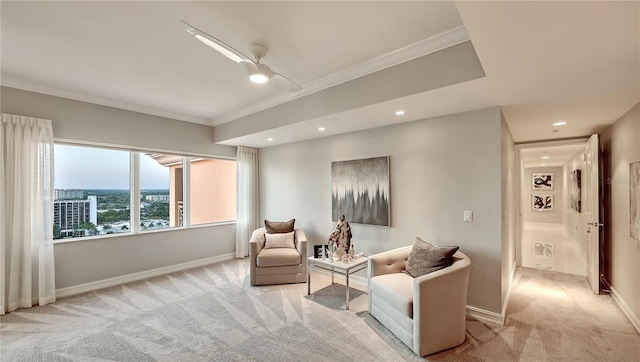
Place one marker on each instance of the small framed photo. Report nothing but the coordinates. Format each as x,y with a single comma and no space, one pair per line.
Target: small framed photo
542,202
318,250
542,181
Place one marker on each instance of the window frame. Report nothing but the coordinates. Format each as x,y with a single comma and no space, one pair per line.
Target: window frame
135,190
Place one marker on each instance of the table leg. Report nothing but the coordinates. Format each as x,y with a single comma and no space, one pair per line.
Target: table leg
347,304
308,280
332,282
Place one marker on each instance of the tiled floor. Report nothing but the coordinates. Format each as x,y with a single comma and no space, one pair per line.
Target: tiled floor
545,246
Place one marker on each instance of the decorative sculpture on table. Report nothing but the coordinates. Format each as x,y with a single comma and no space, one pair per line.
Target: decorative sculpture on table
340,240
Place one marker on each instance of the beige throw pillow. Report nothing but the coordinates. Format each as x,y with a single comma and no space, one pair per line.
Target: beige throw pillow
280,240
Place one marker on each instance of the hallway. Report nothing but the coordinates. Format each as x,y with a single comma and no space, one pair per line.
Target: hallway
546,246
565,320
551,317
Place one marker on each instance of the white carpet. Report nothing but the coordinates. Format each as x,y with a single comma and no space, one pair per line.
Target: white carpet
213,314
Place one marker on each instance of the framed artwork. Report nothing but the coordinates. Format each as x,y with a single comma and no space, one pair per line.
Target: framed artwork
360,191
542,181
576,190
542,202
634,199
319,249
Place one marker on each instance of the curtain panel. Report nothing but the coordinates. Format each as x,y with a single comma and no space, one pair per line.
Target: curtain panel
27,273
247,199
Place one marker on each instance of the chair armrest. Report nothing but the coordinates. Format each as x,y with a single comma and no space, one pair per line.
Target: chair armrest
393,261
440,299
301,243
256,244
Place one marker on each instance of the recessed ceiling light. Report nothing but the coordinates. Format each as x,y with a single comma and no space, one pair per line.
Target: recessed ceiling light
545,157
269,139
399,113
561,123
320,129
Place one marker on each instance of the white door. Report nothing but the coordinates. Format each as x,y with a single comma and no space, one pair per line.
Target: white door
592,210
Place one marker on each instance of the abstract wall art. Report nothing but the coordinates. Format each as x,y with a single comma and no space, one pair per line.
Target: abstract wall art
360,191
634,199
542,181
542,202
576,190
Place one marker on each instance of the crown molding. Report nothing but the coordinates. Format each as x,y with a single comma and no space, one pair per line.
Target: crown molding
416,50
13,82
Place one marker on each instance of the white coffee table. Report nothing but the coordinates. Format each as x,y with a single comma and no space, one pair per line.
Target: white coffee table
337,266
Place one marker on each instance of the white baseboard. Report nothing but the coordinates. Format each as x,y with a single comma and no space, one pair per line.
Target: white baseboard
353,279
106,283
493,317
485,315
626,310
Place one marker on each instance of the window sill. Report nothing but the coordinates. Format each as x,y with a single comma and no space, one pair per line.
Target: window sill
142,232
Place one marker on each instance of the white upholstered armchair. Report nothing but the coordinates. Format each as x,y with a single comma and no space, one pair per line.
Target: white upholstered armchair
427,313
277,265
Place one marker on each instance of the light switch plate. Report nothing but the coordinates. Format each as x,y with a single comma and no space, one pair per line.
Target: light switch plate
468,215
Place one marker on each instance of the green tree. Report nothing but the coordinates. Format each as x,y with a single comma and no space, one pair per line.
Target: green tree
89,227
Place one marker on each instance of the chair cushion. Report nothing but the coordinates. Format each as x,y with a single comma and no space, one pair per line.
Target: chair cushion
396,289
274,227
278,257
425,258
281,240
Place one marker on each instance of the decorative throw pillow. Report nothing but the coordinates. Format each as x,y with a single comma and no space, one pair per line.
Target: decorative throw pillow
274,227
279,240
425,258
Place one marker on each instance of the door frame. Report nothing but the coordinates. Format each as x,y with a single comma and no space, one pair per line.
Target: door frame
519,182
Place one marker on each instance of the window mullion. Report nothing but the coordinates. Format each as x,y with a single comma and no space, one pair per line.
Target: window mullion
134,174
186,191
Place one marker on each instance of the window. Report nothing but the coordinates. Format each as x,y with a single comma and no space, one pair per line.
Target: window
93,191
158,194
213,182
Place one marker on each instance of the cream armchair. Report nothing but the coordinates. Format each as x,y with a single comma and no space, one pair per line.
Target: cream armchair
277,265
427,313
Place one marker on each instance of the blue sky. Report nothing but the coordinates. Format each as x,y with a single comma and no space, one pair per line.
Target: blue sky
94,168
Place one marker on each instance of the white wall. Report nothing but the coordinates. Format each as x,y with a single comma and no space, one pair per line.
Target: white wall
621,146
439,168
530,215
508,210
87,122
93,260
575,222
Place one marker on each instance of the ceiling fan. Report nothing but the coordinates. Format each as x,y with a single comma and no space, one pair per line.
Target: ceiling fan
258,72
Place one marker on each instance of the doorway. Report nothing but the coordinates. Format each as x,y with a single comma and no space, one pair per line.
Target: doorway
552,223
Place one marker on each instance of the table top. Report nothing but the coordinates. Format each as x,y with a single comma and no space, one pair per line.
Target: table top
339,264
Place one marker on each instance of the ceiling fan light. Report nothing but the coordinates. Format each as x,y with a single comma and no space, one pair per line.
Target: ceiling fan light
259,78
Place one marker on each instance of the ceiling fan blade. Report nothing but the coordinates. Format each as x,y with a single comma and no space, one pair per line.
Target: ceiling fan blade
226,50
281,82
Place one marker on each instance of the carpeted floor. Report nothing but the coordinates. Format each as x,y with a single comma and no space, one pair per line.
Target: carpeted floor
213,314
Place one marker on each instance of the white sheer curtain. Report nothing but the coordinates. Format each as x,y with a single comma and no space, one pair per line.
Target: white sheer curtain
27,274
247,199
